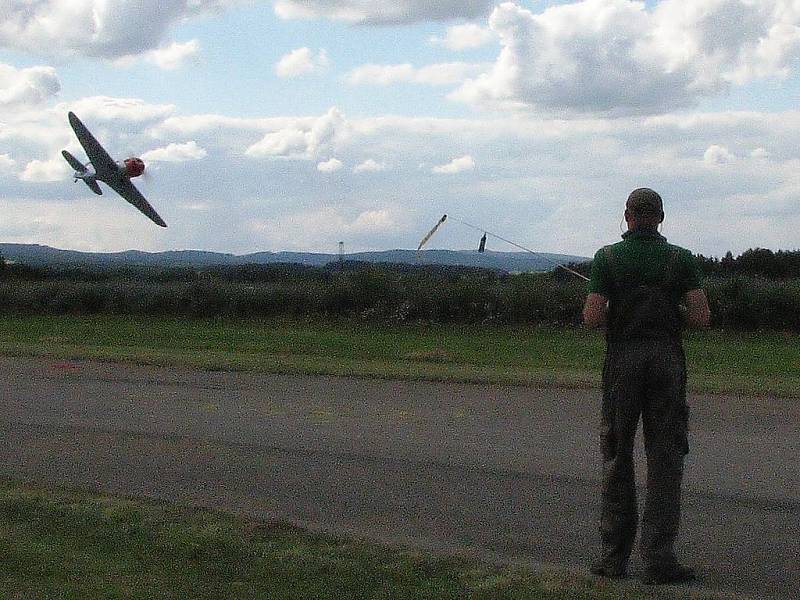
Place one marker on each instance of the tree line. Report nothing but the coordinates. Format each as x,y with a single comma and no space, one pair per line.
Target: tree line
755,262
761,262
387,293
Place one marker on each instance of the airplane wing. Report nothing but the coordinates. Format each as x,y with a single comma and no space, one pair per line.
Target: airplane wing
102,162
127,190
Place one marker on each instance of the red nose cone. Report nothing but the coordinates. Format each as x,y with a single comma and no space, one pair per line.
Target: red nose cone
134,167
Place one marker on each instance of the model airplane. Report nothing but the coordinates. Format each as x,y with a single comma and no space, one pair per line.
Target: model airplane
115,175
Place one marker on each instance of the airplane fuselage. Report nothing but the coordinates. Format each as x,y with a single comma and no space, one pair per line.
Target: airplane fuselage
131,167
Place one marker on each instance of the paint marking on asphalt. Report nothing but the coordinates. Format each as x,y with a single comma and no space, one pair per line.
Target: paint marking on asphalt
65,366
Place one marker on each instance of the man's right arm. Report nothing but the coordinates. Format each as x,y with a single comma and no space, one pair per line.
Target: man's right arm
698,315
595,309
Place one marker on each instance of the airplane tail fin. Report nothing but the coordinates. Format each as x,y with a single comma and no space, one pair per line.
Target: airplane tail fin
79,169
73,162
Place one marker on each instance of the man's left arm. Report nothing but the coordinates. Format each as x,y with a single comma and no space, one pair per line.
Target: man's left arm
595,310
698,315
696,312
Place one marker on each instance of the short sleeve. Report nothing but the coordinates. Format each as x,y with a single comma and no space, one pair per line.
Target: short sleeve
691,271
599,282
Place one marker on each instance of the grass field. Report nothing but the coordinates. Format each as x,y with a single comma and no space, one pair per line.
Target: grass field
749,363
73,545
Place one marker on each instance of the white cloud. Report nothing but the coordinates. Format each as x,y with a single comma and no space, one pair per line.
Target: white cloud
89,223
300,62
779,202
302,139
104,108
167,58
213,6
93,28
175,55
27,87
7,164
464,37
457,165
369,166
380,74
728,41
374,220
718,155
330,225
329,166
36,135
382,11
288,142
54,169
176,153
760,153
436,74
615,57
185,125
195,206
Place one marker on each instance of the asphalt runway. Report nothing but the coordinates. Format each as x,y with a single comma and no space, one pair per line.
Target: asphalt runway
510,472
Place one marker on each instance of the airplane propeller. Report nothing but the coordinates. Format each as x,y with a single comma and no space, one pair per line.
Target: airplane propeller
147,174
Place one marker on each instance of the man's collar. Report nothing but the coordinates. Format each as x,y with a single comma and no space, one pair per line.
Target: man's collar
643,234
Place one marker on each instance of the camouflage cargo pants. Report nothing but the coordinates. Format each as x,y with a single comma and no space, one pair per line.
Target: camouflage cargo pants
644,378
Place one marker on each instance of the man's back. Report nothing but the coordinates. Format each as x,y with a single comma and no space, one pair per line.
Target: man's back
643,257
644,279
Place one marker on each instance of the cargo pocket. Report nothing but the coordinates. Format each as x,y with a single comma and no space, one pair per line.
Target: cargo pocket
608,441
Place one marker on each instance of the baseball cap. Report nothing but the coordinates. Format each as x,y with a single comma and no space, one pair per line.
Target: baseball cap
644,201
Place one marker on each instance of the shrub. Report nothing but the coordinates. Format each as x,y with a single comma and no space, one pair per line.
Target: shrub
753,303
383,293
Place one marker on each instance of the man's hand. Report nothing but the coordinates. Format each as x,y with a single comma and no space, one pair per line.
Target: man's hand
595,310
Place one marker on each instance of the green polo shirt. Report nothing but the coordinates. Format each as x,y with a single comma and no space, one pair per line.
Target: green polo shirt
643,256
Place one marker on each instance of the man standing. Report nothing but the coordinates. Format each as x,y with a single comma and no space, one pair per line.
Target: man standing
643,290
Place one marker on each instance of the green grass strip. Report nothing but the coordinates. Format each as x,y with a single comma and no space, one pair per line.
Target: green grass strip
76,545
719,362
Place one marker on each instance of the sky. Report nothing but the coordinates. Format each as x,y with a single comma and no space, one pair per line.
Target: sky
297,124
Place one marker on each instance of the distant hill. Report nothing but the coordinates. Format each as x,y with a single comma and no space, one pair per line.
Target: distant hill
37,255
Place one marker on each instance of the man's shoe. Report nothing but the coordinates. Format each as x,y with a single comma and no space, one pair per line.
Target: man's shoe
603,570
673,574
